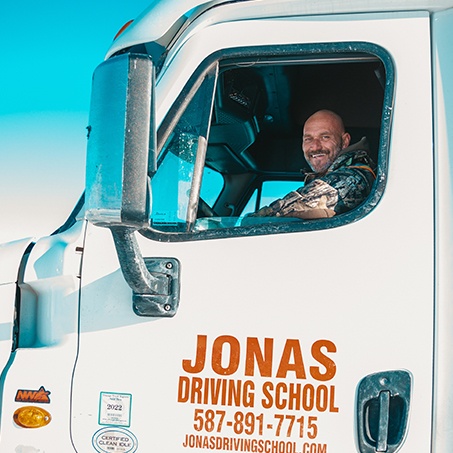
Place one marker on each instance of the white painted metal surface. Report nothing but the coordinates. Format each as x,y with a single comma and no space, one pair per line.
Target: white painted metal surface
42,366
158,19
443,114
11,256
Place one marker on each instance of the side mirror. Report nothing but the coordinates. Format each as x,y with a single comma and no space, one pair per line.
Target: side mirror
121,142
120,160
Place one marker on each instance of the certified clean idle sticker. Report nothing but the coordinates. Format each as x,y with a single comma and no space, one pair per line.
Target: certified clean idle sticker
114,440
115,409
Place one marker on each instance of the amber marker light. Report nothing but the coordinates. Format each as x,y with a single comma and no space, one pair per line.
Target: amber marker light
123,28
31,417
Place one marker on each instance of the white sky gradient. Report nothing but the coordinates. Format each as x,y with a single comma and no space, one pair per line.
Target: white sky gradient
42,174
51,51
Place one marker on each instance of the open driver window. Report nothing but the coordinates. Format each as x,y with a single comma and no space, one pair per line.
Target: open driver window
249,113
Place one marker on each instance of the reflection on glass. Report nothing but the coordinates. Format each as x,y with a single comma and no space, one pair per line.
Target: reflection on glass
272,190
172,183
211,186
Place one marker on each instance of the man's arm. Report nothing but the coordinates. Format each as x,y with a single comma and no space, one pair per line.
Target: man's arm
334,193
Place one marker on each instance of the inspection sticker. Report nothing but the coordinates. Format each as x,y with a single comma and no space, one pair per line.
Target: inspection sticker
114,440
115,409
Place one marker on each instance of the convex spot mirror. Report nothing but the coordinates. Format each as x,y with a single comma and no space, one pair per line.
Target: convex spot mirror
121,142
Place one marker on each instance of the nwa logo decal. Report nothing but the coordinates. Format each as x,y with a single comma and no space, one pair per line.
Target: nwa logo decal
33,396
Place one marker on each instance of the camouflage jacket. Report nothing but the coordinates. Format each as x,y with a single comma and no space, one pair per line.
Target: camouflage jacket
345,185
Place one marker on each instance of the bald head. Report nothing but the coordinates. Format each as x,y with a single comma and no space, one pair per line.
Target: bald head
326,116
323,139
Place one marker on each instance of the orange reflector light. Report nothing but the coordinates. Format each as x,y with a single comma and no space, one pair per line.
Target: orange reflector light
121,30
31,417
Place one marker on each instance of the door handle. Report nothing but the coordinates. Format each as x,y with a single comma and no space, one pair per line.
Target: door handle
383,403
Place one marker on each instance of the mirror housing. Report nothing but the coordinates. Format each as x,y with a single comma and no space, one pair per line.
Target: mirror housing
121,142
120,161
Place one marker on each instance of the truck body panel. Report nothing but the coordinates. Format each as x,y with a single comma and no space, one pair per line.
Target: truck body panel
12,254
155,22
264,288
42,362
327,335
443,103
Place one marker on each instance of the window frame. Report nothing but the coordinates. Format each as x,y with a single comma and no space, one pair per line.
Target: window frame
293,53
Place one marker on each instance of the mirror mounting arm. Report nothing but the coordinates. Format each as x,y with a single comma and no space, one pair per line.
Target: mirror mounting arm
133,265
154,281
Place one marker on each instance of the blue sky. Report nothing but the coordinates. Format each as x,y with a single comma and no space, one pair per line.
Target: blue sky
50,49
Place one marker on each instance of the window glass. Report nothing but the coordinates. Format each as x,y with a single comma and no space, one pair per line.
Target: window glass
211,186
176,184
251,205
271,190
172,183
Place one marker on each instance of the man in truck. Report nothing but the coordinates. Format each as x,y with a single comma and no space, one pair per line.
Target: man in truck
342,176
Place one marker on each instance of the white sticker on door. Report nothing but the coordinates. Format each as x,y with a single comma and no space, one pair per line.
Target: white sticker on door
115,409
114,440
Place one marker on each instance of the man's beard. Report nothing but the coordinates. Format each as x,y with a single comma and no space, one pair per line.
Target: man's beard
331,158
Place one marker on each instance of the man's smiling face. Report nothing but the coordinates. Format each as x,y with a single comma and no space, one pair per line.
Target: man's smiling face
323,139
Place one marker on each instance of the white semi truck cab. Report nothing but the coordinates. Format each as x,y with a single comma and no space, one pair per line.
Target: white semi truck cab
163,317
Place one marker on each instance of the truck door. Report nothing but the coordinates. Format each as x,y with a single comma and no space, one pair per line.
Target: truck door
286,336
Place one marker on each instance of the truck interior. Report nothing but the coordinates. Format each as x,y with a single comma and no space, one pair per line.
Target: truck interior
254,153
